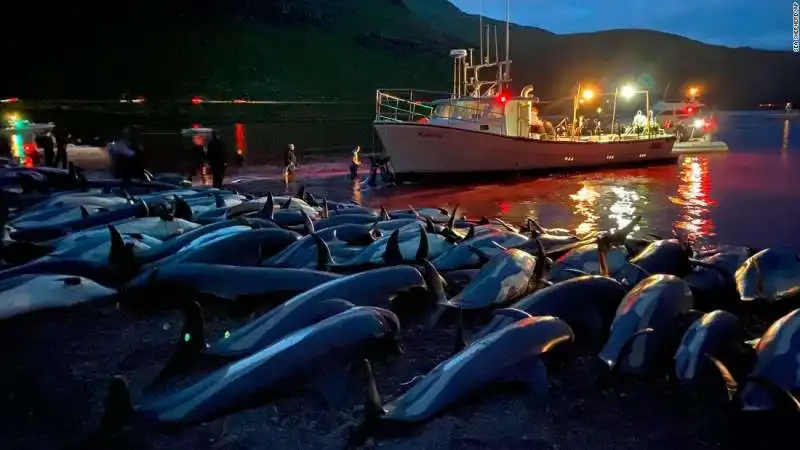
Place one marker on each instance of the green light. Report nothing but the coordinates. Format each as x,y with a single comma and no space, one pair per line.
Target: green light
187,337
227,334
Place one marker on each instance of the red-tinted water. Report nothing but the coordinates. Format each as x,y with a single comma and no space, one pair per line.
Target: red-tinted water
749,196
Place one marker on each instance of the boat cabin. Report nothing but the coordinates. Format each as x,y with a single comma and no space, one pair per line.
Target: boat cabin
677,111
510,116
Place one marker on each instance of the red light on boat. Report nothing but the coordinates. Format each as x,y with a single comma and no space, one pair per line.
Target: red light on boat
197,100
29,148
690,110
10,100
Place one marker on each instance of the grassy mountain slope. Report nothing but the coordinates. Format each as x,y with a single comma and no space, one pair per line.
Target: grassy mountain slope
739,77
217,48
342,49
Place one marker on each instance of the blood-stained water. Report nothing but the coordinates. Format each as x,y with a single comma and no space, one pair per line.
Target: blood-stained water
748,196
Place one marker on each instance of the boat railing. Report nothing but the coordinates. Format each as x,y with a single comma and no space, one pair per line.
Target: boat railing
405,105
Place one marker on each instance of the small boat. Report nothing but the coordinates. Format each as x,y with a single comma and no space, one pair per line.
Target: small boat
480,127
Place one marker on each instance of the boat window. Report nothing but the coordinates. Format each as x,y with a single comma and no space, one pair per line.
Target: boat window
496,110
468,111
442,111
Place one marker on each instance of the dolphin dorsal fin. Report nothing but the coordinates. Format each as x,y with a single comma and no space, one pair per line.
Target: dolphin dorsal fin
373,407
84,213
470,233
182,209
384,215
119,407
424,245
268,211
287,204
452,222
301,193
308,224
430,227
115,253
434,282
512,313
392,254
325,213
324,257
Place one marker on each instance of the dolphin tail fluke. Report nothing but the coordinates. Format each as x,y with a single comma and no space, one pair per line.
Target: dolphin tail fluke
392,254
324,257
192,342
373,410
471,233
182,209
119,407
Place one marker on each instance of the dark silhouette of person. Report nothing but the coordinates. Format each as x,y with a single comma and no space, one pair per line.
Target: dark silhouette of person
46,143
61,135
139,160
122,156
5,147
217,159
290,164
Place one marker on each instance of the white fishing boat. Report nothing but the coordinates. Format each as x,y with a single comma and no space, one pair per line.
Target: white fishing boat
480,127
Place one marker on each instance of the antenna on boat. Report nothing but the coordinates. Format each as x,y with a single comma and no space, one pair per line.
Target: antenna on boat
496,46
480,19
507,69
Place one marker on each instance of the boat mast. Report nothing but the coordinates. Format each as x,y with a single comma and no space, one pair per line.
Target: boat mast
480,26
466,73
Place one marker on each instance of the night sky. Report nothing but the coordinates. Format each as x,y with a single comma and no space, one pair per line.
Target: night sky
763,24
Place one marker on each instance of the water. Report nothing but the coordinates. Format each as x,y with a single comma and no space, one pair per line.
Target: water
749,196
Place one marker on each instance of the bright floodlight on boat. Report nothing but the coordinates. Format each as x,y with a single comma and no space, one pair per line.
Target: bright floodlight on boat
628,91
588,94
693,91
458,53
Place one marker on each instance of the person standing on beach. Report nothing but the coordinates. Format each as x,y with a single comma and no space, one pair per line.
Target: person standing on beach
61,135
290,165
355,163
217,159
122,156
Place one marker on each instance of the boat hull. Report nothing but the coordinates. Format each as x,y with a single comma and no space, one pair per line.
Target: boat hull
423,149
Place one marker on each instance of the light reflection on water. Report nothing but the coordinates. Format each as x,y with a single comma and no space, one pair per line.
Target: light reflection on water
748,196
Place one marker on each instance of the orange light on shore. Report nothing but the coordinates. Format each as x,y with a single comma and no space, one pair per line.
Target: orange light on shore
588,94
693,91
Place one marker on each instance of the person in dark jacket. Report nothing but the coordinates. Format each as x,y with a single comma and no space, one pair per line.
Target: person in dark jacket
217,159
61,135
122,156
46,143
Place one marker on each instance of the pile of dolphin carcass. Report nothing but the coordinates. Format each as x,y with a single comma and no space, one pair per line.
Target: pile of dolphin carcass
338,280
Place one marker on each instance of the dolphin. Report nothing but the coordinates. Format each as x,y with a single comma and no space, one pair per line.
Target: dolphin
26,294
646,323
512,354
287,365
239,285
587,303
717,333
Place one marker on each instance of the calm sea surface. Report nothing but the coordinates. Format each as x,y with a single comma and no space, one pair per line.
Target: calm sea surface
749,196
